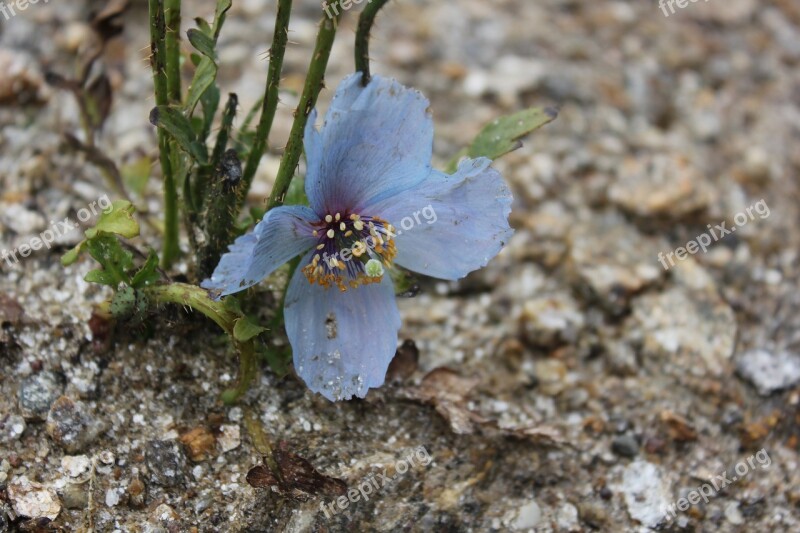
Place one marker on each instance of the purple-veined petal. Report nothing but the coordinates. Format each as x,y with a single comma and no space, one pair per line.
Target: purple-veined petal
283,233
449,225
376,141
342,342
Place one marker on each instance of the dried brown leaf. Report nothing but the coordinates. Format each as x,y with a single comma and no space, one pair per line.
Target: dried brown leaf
295,478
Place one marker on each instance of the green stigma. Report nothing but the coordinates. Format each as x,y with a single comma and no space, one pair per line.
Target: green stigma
374,268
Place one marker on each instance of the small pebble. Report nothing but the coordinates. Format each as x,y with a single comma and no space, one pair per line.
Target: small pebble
625,446
32,499
37,393
11,428
528,516
165,462
71,425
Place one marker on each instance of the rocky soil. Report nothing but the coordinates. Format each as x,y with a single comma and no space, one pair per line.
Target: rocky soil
575,384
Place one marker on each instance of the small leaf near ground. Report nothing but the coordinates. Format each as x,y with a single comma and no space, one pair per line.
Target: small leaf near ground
245,329
148,274
119,220
503,134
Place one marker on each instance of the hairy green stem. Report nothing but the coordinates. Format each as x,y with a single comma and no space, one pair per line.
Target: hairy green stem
196,298
313,86
158,64
365,22
172,45
270,101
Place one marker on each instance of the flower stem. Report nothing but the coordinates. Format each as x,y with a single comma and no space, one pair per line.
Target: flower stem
270,101
313,86
158,64
172,46
365,22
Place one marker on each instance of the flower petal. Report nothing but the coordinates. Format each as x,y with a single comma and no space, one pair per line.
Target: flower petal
343,342
376,141
450,225
282,234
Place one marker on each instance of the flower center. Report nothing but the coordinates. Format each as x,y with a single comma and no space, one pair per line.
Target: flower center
351,251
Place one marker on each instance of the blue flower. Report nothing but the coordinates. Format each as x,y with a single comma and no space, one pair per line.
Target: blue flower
369,174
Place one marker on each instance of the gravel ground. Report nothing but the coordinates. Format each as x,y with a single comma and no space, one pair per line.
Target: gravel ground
575,384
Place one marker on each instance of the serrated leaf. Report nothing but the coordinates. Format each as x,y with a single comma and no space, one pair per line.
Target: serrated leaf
148,274
178,126
245,329
119,220
115,260
202,42
503,134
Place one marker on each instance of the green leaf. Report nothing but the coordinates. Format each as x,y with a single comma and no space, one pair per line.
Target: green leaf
178,126
116,261
210,101
118,220
503,134
203,78
71,256
244,329
202,42
135,175
102,277
148,274
204,26
219,16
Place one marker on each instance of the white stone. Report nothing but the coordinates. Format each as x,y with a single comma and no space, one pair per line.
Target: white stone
75,465
230,437
32,499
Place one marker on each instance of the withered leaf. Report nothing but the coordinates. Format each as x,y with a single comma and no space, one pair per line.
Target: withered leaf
295,478
261,477
107,20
